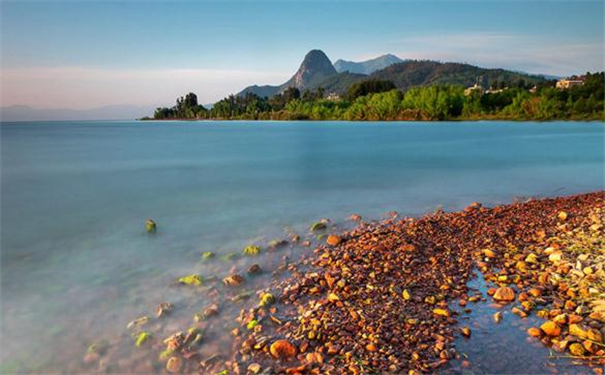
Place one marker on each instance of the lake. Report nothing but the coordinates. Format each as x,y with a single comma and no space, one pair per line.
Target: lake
76,263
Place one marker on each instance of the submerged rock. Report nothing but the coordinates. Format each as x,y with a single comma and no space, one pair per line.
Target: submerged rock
207,255
233,280
150,226
266,299
254,269
551,329
162,309
230,257
251,250
174,364
190,280
318,226
142,338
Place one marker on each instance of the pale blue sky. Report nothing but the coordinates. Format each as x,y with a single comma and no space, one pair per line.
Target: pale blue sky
82,54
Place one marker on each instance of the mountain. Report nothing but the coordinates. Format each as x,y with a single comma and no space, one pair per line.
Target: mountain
424,73
111,112
368,66
315,68
316,71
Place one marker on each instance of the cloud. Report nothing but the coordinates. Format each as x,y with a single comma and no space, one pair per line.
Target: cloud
83,87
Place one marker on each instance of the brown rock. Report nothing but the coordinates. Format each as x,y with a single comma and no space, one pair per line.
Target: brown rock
551,328
283,349
466,332
534,332
576,349
504,294
174,364
334,240
254,368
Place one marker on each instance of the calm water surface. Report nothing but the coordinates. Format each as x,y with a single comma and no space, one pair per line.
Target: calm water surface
76,263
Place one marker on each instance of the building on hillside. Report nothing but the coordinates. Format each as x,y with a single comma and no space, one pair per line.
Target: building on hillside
563,84
333,96
473,88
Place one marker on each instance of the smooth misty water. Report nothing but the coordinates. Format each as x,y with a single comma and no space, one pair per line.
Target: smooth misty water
76,263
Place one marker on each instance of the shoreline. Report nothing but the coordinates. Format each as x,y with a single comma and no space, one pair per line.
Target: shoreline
389,296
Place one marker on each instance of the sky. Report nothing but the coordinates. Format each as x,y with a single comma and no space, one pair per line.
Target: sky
87,54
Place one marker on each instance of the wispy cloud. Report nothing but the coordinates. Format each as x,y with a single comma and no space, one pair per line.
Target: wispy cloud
49,87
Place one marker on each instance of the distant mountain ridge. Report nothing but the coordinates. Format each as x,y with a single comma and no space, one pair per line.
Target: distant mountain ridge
368,66
316,71
110,112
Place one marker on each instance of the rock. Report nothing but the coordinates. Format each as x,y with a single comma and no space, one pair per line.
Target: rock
531,258
562,216
190,280
251,250
207,255
505,294
585,333
233,280
577,349
489,253
466,331
210,311
91,358
266,299
534,332
332,297
254,269
318,226
138,322
555,257
283,349
254,368
230,257
406,295
551,329
251,324
142,338
150,226
497,317
599,316
355,217
441,312
174,364
162,309
519,312
334,240
315,357
371,347
276,244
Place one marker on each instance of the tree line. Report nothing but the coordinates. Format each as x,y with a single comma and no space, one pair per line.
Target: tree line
376,100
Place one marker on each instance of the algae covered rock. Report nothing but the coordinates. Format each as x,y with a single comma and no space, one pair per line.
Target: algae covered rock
150,226
230,257
251,250
266,299
142,338
233,280
207,255
320,225
190,280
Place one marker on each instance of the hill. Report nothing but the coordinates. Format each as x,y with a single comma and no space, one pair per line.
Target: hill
425,73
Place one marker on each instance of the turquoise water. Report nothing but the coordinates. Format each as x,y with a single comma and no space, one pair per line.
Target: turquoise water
76,263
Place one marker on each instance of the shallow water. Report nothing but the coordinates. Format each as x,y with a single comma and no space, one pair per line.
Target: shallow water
76,263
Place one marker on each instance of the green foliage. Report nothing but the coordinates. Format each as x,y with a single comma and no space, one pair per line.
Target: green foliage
370,86
510,97
186,107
